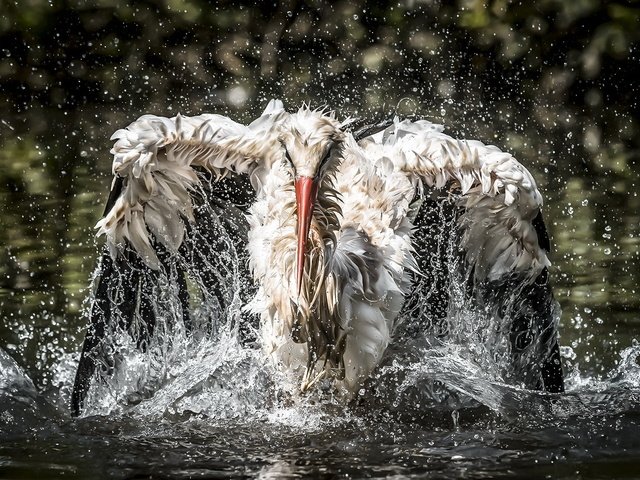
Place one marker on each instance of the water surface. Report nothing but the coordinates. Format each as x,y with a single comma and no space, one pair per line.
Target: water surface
215,411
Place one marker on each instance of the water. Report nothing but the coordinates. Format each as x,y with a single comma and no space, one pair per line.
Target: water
214,409
379,448
216,431
210,407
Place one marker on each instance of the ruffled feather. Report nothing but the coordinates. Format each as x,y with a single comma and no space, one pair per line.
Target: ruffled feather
499,195
156,156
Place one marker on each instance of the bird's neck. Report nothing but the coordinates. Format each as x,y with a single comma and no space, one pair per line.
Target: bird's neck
321,244
312,310
301,308
310,316
304,316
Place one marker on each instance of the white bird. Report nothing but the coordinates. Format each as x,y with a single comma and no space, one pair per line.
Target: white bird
331,232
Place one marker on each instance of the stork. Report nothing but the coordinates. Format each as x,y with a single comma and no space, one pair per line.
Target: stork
331,234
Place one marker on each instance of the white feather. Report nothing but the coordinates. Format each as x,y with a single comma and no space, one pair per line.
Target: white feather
360,258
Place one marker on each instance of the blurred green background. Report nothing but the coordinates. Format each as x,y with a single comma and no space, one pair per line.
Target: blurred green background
553,81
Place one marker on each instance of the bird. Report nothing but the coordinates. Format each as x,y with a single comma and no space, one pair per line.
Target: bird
331,222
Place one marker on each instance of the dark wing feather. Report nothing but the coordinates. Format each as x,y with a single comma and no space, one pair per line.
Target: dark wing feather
363,128
481,248
127,289
523,306
175,227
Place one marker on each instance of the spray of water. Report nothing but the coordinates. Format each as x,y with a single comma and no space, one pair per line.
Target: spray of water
448,354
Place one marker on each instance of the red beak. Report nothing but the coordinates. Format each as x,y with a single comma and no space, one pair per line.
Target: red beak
306,193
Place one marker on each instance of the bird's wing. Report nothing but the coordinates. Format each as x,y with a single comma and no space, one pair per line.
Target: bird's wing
490,206
157,159
174,218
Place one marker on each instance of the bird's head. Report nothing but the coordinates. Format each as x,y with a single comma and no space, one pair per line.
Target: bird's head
312,144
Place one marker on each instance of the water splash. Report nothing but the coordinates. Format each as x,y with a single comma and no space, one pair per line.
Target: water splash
18,394
213,367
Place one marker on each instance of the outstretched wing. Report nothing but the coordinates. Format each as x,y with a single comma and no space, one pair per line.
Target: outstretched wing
158,159
175,216
480,243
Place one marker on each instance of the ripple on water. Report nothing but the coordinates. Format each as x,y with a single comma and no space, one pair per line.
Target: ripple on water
438,416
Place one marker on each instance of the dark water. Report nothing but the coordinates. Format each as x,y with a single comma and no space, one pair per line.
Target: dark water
590,432
440,415
478,429
595,446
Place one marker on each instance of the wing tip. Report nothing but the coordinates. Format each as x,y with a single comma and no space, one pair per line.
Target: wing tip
275,105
